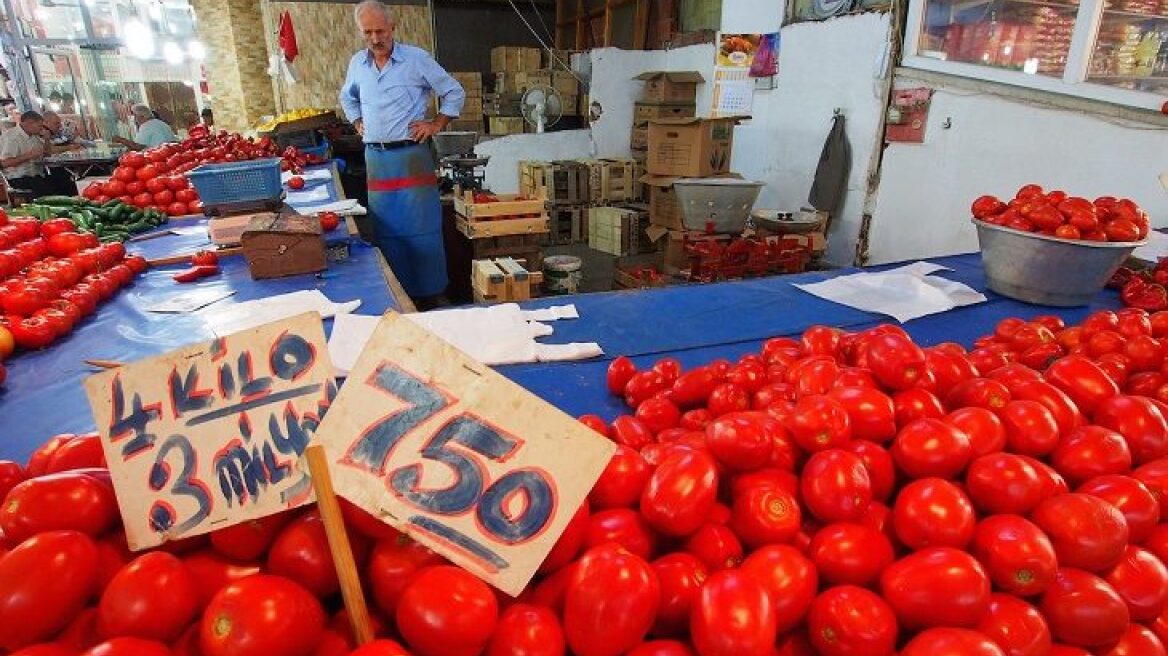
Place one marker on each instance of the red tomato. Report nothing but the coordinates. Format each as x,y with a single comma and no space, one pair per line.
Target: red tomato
623,526
733,616
11,473
661,648
1083,610
301,553
871,412
1139,421
953,641
1082,380
931,447
154,597
742,441
716,545
620,371
916,404
568,545
1154,475
380,647
65,501
1137,640
644,385
932,512
1141,580
680,493
393,564
979,392
1030,428
879,465
835,486
658,414
526,630
447,611
982,427
44,582
622,481
1090,451
790,579
813,375
818,422
251,539
681,576
631,432
611,602
896,362
1139,506
937,586
81,452
212,572
820,340
848,621
1016,626
727,398
129,646
750,376
850,554
1087,532
764,515
694,387
1016,554
239,621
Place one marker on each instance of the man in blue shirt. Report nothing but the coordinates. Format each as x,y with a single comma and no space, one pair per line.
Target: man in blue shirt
152,131
385,95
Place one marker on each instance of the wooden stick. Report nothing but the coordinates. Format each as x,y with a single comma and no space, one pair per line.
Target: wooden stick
338,539
104,364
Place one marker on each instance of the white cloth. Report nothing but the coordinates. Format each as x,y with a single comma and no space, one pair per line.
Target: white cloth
904,293
227,319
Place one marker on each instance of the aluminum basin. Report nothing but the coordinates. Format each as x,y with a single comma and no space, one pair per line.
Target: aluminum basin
723,202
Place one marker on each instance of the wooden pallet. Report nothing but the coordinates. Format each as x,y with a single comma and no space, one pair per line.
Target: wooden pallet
614,181
561,183
503,279
486,229
569,225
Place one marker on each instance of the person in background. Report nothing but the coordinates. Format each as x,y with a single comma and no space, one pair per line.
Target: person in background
207,117
385,96
22,155
151,131
62,134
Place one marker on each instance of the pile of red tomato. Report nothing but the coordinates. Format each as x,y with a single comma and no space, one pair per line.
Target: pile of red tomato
838,494
154,178
1056,214
53,277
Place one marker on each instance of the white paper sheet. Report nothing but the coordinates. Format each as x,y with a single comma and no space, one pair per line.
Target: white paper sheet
317,194
229,319
552,313
1156,248
493,335
342,207
904,293
314,174
185,302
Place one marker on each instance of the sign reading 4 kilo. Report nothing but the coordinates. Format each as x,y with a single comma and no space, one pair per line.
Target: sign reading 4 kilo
458,457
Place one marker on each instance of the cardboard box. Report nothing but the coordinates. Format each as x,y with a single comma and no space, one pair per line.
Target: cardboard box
690,147
505,125
473,107
511,59
501,104
680,87
645,112
559,60
472,83
466,124
639,140
561,81
505,83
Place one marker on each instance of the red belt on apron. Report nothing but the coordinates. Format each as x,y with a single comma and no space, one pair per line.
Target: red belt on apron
397,184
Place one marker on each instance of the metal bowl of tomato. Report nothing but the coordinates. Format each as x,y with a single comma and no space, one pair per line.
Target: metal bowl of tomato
1044,270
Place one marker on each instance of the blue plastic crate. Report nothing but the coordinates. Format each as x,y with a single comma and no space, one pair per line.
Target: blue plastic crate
321,151
237,182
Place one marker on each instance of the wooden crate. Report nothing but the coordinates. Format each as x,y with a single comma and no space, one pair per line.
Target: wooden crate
502,228
614,181
509,206
520,247
472,82
503,279
569,225
561,183
620,230
514,59
505,125
638,278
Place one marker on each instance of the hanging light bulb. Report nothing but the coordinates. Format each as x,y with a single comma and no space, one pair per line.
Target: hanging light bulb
196,50
139,39
172,53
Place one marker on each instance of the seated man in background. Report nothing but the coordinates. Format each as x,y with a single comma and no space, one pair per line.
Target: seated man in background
151,131
22,155
62,134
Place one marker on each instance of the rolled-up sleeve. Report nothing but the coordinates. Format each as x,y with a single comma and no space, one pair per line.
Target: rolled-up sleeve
350,95
451,95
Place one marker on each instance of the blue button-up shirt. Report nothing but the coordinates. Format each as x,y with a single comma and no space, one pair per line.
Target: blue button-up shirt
387,101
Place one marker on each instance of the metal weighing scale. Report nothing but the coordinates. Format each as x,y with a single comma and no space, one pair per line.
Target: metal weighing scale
460,166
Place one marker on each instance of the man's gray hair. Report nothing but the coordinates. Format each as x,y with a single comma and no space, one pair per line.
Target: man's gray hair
372,5
143,111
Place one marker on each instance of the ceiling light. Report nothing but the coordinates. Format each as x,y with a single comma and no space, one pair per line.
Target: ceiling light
172,53
139,40
196,50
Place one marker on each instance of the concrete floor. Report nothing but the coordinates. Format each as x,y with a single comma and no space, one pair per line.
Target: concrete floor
598,267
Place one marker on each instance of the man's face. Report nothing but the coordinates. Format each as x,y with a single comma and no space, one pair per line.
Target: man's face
53,123
33,126
376,30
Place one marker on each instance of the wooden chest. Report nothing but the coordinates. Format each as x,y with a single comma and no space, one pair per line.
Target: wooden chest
283,245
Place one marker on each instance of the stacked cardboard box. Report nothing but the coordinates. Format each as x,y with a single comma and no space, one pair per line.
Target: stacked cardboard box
667,95
502,106
511,59
471,118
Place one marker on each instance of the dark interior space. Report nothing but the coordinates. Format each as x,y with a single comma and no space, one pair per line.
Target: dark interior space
468,30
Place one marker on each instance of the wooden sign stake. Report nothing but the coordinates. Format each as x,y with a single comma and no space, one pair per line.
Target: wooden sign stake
338,539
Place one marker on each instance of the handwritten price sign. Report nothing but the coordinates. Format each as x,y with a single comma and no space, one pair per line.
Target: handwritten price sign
460,458
211,435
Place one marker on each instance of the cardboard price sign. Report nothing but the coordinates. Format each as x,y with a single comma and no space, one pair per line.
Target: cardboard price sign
458,457
211,435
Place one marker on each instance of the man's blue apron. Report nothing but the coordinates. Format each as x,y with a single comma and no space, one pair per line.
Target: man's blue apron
407,216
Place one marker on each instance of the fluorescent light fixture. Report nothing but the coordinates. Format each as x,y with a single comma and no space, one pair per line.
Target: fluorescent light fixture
172,53
197,50
139,40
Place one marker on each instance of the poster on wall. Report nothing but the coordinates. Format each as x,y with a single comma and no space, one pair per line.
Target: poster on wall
739,59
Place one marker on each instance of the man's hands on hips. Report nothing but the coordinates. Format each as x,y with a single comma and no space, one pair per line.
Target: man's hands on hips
360,125
421,131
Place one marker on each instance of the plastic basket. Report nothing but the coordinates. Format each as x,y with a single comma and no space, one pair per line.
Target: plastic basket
237,182
321,151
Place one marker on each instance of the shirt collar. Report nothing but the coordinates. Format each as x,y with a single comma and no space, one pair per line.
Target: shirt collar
396,55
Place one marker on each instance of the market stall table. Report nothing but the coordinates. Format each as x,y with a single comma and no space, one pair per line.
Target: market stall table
87,162
694,323
44,394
